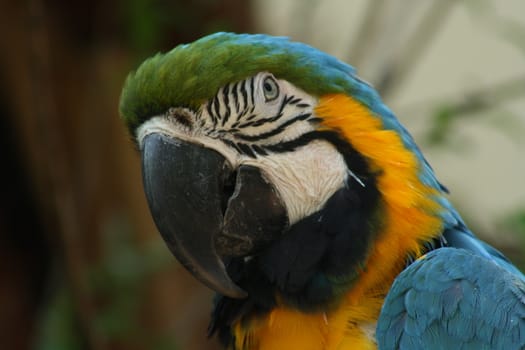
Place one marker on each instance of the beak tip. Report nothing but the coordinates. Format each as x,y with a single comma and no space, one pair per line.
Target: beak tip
212,273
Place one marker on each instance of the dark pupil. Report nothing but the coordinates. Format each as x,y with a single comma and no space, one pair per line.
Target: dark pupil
268,87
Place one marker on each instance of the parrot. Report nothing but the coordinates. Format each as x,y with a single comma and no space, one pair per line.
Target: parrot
279,179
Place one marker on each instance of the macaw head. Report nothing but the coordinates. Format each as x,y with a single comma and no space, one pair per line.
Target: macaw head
273,157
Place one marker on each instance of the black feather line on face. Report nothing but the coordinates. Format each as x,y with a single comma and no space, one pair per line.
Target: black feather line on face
317,259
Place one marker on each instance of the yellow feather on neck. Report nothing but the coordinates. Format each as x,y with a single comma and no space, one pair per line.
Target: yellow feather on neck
411,212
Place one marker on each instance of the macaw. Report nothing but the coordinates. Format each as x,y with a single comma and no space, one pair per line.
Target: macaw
279,179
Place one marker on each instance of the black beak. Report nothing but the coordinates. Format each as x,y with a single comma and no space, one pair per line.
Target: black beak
205,210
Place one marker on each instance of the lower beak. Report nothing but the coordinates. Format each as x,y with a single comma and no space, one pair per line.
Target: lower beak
205,210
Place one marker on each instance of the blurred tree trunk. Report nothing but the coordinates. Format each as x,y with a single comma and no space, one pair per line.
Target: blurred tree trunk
62,67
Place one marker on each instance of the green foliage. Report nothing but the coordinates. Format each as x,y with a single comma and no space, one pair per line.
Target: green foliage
58,324
478,106
516,222
442,126
118,284
144,23
513,225
120,280
149,24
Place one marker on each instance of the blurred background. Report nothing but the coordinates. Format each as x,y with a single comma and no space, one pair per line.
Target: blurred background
82,265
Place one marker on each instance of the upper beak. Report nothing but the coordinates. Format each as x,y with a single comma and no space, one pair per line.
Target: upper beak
207,211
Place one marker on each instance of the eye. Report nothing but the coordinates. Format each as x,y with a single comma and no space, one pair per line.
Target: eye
270,89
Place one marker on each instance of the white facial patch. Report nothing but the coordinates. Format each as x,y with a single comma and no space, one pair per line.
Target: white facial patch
260,114
305,178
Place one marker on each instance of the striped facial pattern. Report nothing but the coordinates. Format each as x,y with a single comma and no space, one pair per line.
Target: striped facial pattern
268,123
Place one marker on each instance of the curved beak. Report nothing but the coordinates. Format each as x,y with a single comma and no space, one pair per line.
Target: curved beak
205,210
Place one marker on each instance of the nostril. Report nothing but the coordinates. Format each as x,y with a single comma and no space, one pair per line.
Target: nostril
181,116
228,187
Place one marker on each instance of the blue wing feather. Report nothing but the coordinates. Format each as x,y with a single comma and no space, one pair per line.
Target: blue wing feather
455,298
